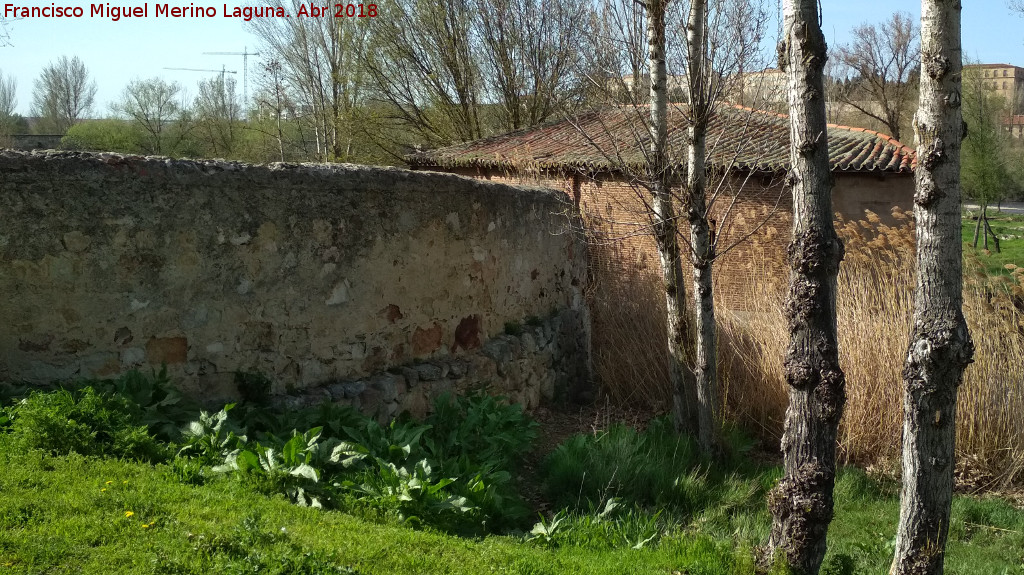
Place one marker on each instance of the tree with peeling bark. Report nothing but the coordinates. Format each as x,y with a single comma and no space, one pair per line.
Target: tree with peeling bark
674,185
660,177
802,502
940,344
702,251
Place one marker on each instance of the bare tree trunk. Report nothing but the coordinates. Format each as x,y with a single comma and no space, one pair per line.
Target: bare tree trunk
940,345
705,373
977,226
995,238
984,221
665,225
801,504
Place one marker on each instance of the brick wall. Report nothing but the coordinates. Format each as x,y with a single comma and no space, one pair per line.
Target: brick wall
753,217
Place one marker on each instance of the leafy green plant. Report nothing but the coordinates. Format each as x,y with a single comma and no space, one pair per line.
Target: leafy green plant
417,492
649,468
211,437
85,422
154,400
513,328
483,428
545,531
287,470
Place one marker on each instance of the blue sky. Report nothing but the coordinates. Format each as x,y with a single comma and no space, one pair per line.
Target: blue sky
116,52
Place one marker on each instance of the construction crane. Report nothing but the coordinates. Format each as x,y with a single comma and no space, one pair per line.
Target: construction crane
222,71
245,67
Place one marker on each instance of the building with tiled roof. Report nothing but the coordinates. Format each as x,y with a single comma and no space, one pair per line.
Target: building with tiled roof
597,158
616,139
1014,125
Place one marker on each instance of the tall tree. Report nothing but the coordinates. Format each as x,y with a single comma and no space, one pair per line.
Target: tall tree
701,248
321,70
8,102
63,94
676,179
883,61
660,178
940,345
802,502
217,112
532,54
272,97
986,161
152,105
425,65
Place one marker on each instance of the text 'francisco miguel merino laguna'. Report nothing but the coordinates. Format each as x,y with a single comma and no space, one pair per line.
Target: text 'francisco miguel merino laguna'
247,13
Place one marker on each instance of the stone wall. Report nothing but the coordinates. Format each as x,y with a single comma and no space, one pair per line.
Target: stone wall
531,364
316,276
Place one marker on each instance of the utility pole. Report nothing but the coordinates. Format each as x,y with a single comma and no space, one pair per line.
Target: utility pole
245,68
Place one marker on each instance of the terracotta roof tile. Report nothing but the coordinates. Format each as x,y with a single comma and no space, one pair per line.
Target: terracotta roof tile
608,139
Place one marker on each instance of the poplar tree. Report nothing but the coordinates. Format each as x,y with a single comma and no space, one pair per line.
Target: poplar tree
802,502
940,345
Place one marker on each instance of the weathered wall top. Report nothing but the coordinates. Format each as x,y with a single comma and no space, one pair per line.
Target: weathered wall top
304,272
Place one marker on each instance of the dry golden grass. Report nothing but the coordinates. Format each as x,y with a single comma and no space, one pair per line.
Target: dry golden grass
628,342
874,317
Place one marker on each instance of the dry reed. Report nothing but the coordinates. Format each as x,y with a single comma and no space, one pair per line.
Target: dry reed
629,344
874,316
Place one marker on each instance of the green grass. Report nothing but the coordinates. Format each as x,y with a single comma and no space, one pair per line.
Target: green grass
55,517
625,502
1011,250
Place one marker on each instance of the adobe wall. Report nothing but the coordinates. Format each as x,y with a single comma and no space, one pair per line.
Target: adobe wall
313,275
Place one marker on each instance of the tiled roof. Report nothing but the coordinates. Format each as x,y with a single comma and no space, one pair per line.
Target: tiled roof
609,139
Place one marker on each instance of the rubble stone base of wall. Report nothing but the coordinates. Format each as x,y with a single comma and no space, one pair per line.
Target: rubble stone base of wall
535,364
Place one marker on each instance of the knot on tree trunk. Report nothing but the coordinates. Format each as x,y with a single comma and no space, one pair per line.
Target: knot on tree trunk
803,302
782,51
927,193
932,153
799,373
830,393
936,65
816,253
938,345
802,506
809,143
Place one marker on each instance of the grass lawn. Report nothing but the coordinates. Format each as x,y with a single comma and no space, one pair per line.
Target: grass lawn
1010,229
76,514
78,495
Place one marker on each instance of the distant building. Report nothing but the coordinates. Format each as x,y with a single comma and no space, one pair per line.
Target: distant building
676,86
1005,80
1014,124
763,88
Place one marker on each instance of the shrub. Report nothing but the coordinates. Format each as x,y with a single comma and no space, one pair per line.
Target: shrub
83,422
